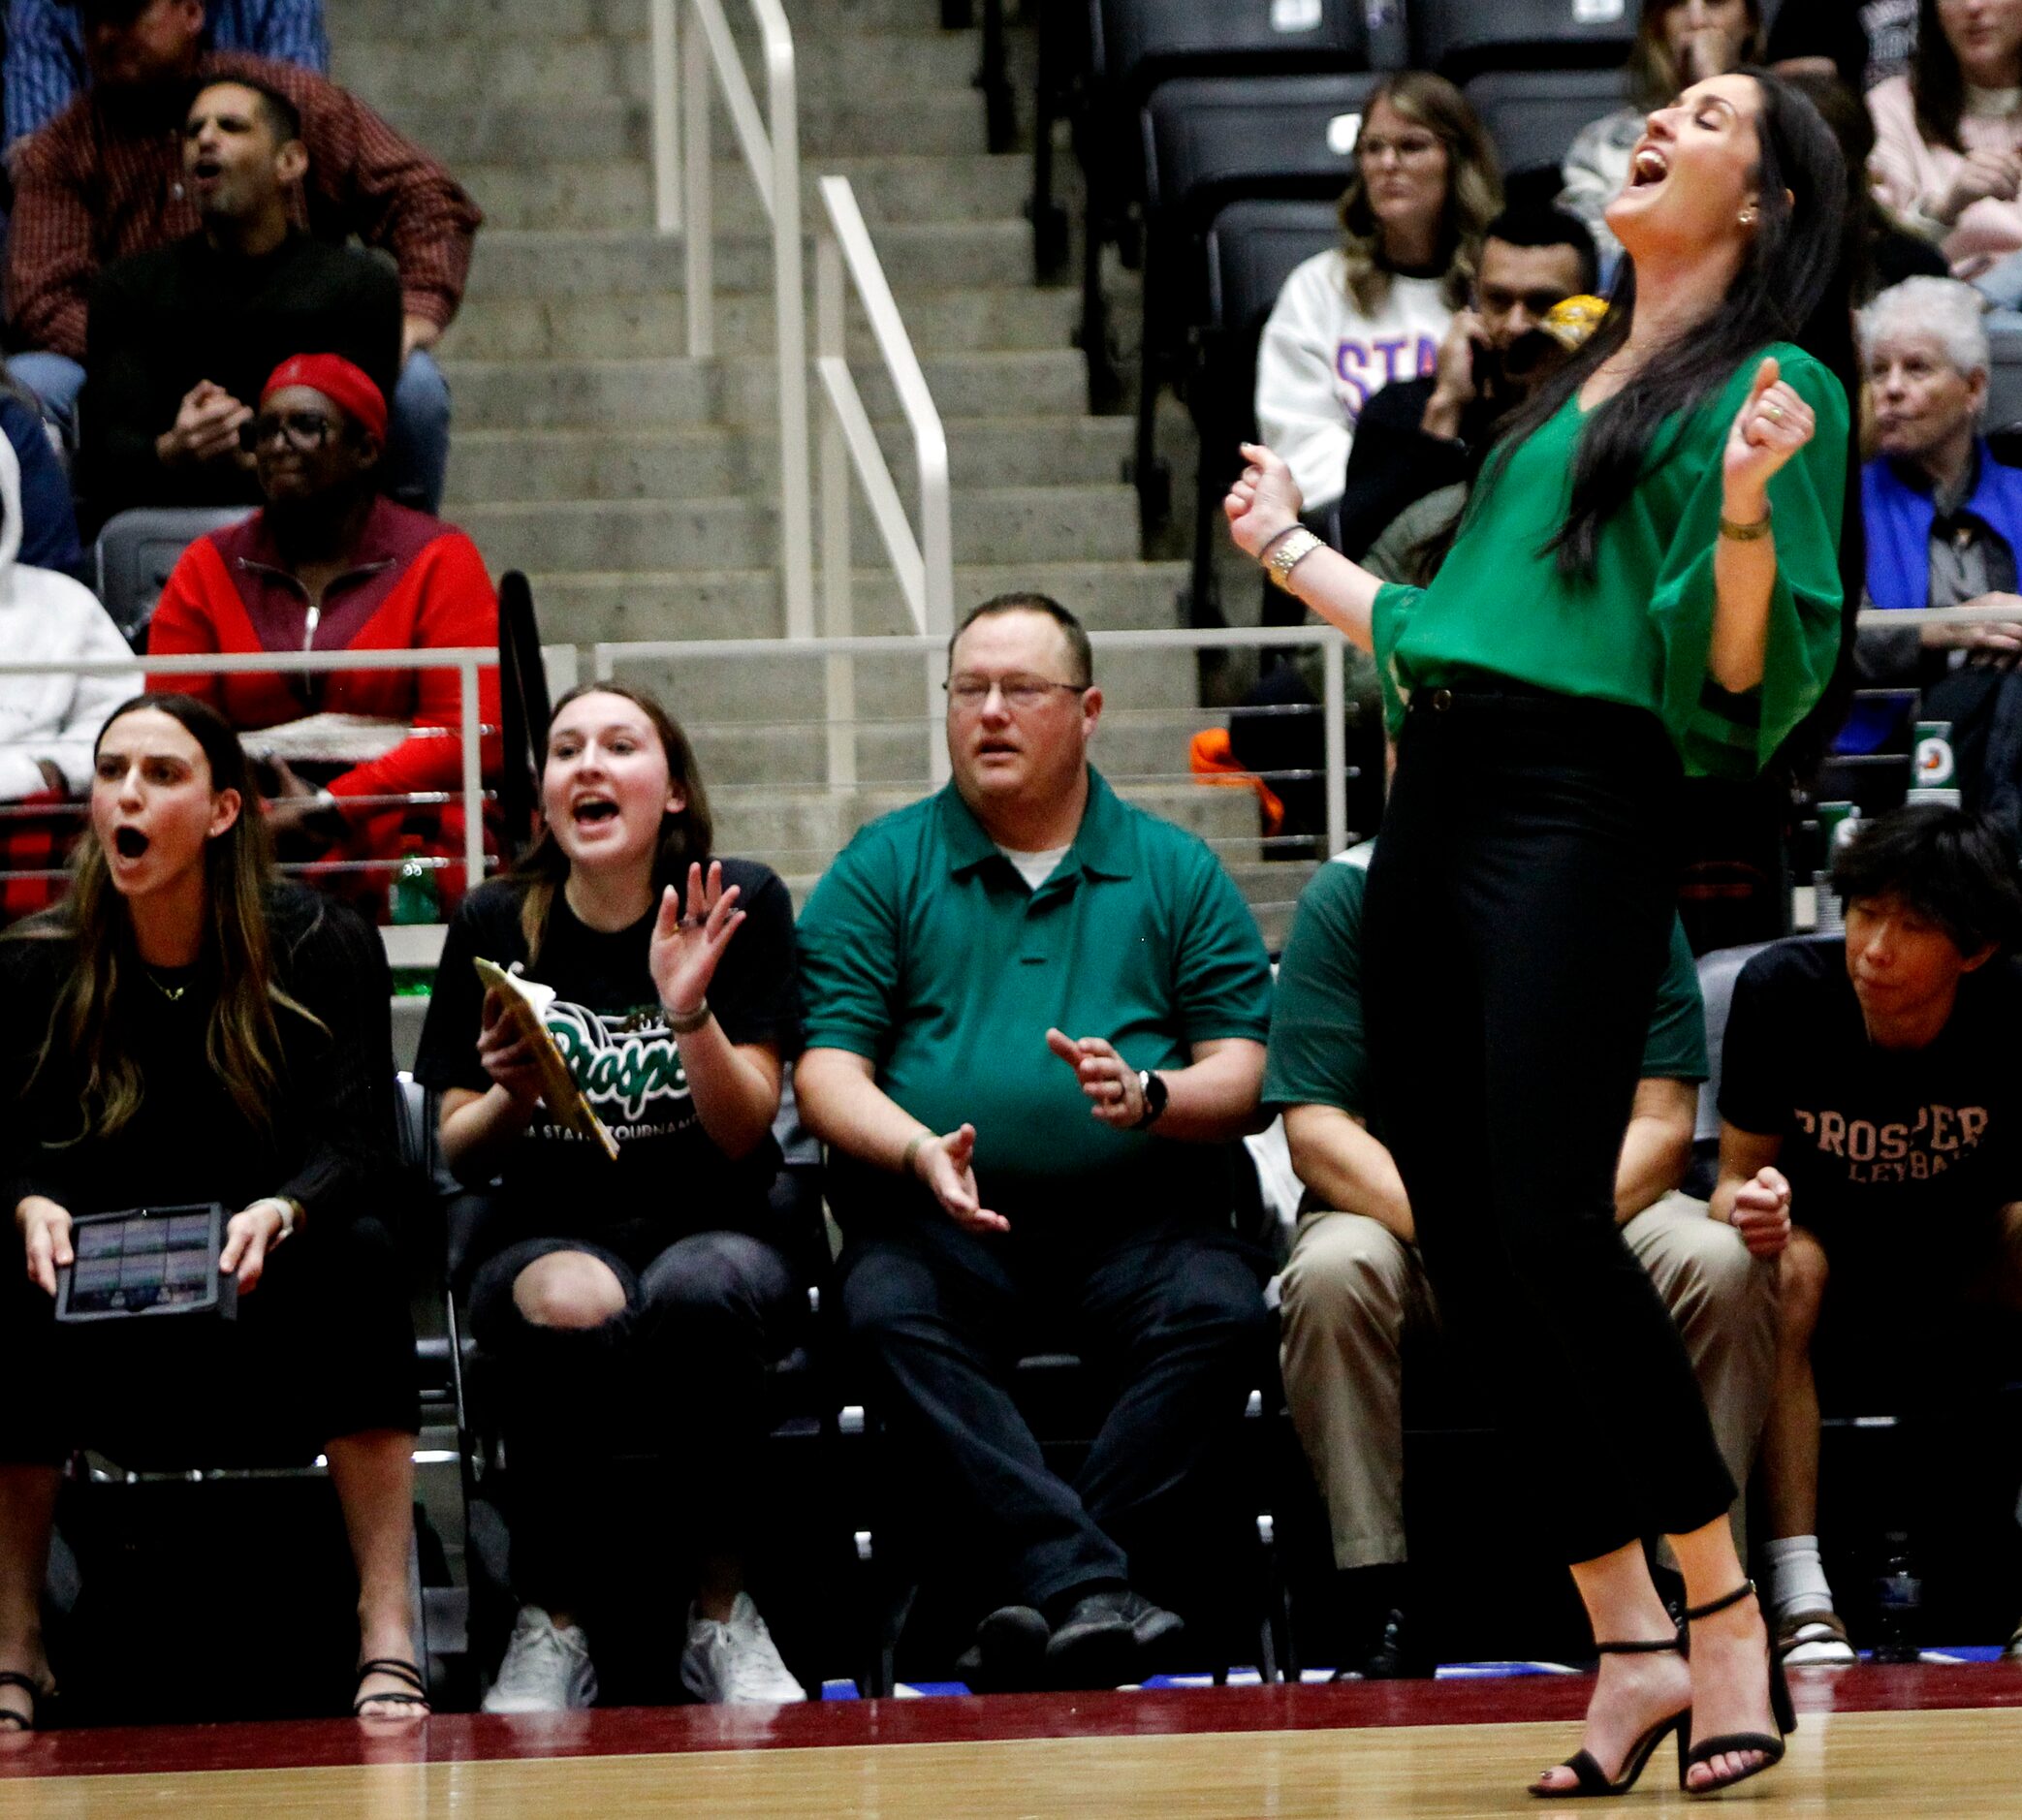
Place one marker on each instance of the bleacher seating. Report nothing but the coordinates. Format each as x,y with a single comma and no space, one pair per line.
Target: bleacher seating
1464,38
1208,141
1130,48
136,552
1249,251
1533,115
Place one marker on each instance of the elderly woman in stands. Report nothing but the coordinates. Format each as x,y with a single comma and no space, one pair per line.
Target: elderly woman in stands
183,1030
1947,159
1943,522
634,1284
1678,42
1350,321
328,564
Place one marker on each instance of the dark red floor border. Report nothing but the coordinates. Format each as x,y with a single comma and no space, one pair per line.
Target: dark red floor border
461,1737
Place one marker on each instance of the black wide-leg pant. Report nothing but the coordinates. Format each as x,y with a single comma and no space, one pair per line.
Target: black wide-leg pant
1516,927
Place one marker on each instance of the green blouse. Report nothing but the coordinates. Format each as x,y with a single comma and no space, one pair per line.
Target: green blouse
1638,630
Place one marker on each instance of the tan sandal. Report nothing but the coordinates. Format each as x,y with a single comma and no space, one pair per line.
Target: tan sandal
1833,1648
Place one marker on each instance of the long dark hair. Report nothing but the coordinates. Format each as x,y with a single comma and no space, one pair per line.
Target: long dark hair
1792,287
1936,82
243,1041
686,835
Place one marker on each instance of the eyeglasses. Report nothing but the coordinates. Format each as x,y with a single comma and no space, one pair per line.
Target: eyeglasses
1406,148
306,431
1019,693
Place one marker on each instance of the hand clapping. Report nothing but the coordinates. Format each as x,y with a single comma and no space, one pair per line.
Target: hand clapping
1116,1094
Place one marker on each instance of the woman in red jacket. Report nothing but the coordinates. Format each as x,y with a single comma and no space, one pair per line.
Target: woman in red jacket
329,564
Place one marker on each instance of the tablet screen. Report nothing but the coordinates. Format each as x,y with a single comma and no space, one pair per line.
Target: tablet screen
135,1263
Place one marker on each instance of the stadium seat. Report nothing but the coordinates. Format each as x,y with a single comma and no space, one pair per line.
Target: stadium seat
2005,378
1462,37
1534,114
1249,251
1127,48
1208,141
138,547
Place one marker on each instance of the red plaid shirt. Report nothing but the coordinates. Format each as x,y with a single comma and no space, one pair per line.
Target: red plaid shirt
92,187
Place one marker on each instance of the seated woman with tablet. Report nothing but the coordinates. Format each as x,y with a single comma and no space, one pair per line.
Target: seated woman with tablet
183,1031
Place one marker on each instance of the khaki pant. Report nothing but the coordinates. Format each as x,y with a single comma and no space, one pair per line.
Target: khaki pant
1353,1290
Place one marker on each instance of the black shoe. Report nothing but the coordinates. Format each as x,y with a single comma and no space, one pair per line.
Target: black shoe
1396,1656
1781,1711
1009,1653
1108,1639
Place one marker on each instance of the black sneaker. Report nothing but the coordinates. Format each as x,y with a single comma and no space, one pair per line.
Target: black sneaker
1394,1658
1107,1639
1009,1653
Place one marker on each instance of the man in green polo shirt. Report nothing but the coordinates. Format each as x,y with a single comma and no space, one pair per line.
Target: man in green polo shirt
1355,1286
1036,1030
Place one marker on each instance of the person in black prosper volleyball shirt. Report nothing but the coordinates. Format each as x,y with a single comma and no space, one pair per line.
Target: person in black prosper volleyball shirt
638,1299
1871,1137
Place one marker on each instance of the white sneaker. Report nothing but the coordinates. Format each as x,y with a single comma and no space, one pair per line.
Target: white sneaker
546,1669
727,1664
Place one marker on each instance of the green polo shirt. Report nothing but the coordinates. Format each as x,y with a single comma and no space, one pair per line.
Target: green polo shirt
1320,1052
924,949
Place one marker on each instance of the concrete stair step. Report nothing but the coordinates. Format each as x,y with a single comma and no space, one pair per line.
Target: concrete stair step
611,263
501,395
431,22
616,193
1042,522
974,319
859,122
832,69
741,603
501,465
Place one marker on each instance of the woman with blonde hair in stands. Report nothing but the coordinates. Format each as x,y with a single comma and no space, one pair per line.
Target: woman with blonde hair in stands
1678,42
185,1029
1375,309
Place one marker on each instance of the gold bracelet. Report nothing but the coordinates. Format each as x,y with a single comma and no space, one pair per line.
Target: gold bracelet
1745,533
1286,554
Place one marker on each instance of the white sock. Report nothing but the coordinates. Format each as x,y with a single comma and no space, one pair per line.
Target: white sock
1796,1576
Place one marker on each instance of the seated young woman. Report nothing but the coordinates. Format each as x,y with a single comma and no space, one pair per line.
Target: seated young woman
184,1029
639,1299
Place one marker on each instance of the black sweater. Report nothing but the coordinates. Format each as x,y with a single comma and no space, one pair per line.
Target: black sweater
162,321
329,1141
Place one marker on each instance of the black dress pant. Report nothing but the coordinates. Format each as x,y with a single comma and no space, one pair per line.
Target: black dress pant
1169,1315
1516,927
679,1371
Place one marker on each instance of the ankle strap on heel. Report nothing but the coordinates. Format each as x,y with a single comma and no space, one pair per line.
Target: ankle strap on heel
1670,1646
1694,1612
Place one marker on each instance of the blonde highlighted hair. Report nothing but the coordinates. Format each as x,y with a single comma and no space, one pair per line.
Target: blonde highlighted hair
1473,192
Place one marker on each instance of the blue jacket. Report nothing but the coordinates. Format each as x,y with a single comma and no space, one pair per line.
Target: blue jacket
48,520
1897,517
45,48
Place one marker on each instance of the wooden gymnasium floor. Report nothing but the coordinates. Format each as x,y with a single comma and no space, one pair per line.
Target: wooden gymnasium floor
1877,1742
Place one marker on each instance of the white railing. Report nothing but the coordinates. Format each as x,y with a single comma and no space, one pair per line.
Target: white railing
607,659
466,661
683,203
925,565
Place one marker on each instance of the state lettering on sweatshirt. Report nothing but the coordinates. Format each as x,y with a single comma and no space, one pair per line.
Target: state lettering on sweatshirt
1366,367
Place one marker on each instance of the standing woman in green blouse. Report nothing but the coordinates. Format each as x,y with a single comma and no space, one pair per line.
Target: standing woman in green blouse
1646,584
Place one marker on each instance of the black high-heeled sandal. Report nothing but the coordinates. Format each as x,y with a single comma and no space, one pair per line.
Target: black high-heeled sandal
1781,1711
1590,1779
397,1670
41,1704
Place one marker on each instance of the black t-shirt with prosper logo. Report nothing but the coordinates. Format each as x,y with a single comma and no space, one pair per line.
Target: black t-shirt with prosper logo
1898,1159
670,1178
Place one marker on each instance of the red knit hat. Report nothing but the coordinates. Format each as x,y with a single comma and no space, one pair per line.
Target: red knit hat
340,382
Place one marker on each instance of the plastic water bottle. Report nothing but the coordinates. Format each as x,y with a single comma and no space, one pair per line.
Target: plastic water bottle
1899,1604
415,896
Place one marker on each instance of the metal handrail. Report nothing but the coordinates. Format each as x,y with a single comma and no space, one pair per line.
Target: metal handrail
466,660
932,646
924,565
683,203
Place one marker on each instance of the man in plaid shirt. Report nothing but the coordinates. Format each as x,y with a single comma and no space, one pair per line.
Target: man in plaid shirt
105,179
45,48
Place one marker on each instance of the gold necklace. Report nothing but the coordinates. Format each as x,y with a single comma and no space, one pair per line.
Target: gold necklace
175,994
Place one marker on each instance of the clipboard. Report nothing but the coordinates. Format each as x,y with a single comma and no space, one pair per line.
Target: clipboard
527,1003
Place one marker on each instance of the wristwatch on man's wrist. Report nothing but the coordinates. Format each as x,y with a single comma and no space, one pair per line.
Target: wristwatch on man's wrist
1152,1084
